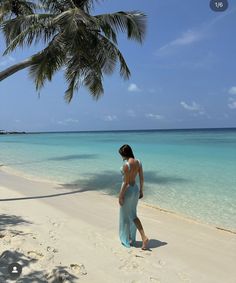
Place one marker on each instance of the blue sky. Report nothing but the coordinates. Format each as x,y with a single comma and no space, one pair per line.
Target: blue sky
183,76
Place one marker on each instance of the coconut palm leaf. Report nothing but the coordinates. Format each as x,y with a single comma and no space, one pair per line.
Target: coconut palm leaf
13,8
57,6
24,30
73,79
85,5
47,62
133,23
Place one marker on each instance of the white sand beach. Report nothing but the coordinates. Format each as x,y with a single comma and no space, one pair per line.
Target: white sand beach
60,234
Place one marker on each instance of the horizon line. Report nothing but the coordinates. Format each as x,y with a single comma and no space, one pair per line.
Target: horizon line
122,130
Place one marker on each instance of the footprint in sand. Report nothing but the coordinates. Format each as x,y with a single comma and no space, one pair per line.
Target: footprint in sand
146,252
78,269
51,249
114,251
158,264
184,277
154,279
130,265
97,240
52,235
55,223
35,254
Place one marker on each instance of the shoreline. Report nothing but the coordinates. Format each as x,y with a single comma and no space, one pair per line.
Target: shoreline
67,234
11,171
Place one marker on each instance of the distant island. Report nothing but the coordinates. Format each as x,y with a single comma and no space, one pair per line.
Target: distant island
10,133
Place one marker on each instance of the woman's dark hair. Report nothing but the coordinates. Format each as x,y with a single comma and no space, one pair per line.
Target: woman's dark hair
126,151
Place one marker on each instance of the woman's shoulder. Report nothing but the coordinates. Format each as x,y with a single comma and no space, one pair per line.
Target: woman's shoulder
139,161
136,163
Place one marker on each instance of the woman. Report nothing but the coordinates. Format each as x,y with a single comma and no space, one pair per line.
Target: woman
128,199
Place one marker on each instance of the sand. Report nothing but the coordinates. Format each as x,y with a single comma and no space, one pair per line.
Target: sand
61,234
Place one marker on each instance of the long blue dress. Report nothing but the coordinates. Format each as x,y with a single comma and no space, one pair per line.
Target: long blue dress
128,212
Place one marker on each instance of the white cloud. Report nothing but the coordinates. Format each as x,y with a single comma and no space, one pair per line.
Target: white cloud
133,88
191,36
131,113
186,38
154,116
61,123
193,107
232,103
232,90
110,118
67,121
7,61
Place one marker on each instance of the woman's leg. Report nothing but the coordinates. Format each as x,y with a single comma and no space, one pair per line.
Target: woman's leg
141,231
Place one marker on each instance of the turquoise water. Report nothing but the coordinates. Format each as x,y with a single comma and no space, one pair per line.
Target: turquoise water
191,172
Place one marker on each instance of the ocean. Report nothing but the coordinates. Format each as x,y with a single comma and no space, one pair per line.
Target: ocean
188,172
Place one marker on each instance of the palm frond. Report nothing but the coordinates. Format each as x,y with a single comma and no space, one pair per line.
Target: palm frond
108,32
17,29
57,6
133,23
5,9
93,81
10,9
72,75
28,29
85,5
73,86
47,62
72,19
83,70
110,55
27,7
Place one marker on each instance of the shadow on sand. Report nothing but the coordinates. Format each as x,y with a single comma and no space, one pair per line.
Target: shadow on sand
41,197
57,275
152,244
58,158
108,182
8,221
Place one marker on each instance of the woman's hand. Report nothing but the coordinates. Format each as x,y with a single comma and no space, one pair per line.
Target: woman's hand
141,194
121,200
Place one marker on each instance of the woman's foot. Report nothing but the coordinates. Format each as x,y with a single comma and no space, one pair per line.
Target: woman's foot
145,244
132,243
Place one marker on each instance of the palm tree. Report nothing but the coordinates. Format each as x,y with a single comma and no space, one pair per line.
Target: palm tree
83,45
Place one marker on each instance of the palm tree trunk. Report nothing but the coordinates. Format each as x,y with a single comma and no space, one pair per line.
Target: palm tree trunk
15,68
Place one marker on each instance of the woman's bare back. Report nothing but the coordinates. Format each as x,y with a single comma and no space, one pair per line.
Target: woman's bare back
135,168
